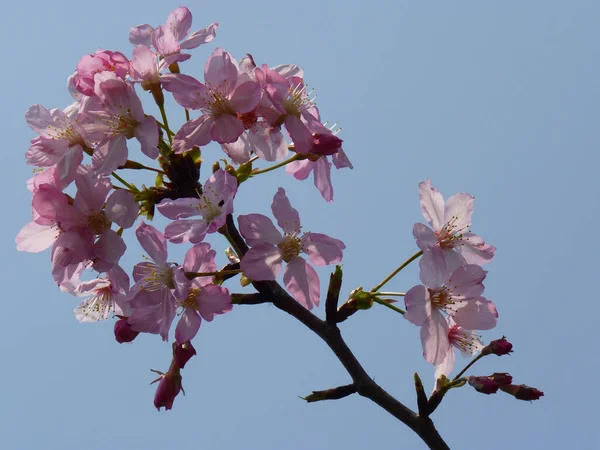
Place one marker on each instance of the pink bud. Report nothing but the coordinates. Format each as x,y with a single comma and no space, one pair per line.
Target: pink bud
325,144
124,332
501,378
522,392
485,385
182,353
168,388
498,347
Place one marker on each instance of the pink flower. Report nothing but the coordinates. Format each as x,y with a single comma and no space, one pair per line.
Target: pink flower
215,203
205,299
269,249
458,295
450,242
60,142
106,296
466,341
172,37
101,61
221,99
159,286
325,143
115,116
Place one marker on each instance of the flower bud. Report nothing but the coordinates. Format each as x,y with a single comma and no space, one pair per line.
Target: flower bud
485,385
325,144
522,391
182,353
501,378
168,388
498,347
124,332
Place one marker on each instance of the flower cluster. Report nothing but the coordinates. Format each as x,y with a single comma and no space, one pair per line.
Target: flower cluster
83,205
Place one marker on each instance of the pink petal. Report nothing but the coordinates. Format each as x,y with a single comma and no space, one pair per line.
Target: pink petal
188,326
147,134
475,250
186,231
110,247
186,90
302,282
300,169
153,242
219,70
434,337
164,41
256,228
300,134
418,305
287,217
109,155
446,366
68,165
467,281
240,150
226,129
322,249
141,35
340,160
181,285
432,205
433,272
180,208
268,142
245,97
459,210
203,36
179,22
262,262
122,208
200,258
35,238
195,132
322,174
424,236
477,314
213,300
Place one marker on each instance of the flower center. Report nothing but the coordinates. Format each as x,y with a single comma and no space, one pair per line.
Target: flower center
190,301
291,246
441,298
217,103
466,341
98,223
451,235
297,99
158,278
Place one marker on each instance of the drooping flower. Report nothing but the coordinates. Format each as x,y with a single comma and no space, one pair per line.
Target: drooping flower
451,242
458,295
205,299
159,286
215,203
105,296
466,341
269,249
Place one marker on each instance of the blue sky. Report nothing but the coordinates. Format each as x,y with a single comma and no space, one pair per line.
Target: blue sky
498,99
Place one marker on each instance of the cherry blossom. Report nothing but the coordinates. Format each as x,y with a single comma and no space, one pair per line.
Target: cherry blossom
269,249
451,242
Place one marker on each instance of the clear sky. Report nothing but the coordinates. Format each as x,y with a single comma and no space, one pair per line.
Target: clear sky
498,99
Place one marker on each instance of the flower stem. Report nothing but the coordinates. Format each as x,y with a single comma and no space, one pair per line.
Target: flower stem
296,157
389,305
125,183
192,275
392,294
163,114
477,358
395,272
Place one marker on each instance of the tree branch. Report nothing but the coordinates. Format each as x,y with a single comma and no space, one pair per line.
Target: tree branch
271,291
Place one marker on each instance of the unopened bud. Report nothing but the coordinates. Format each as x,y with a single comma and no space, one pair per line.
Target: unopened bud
124,332
498,347
325,144
182,353
502,378
485,385
522,391
168,388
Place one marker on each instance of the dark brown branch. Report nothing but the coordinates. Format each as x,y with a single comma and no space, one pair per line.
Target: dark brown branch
248,299
333,295
335,393
365,386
